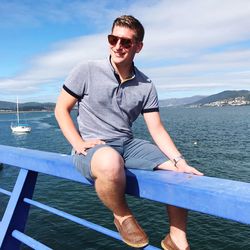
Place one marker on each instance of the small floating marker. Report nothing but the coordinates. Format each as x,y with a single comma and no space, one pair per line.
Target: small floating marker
195,143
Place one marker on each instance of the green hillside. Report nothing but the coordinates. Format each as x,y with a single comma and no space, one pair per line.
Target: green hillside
228,94
28,106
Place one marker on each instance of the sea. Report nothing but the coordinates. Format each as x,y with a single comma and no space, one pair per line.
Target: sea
216,140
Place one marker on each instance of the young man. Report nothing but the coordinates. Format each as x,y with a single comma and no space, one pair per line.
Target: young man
111,94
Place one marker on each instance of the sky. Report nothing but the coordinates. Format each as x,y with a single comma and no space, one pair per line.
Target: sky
191,47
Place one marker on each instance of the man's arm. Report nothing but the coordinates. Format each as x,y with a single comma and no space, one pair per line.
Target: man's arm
165,143
64,105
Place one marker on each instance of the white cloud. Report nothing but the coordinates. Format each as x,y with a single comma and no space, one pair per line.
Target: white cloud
189,45
190,26
210,72
53,66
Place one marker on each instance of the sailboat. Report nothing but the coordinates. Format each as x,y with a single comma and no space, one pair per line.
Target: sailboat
19,127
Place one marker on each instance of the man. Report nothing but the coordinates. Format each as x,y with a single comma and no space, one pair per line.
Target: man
111,94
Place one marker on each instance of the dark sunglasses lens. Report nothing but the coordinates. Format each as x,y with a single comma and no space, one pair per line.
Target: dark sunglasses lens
112,40
126,43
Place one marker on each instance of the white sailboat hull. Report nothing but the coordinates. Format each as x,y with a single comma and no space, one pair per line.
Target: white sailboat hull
20,129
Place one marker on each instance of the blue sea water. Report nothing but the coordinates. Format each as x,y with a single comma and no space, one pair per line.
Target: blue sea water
215,140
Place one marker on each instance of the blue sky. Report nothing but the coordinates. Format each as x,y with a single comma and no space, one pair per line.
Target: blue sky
191,47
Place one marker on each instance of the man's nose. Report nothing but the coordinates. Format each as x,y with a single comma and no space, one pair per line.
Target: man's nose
118,44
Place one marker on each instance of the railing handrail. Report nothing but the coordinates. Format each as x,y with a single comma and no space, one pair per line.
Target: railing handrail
220,197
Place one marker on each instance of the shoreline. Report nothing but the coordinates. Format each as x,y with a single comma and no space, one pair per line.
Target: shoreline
28,111
184,106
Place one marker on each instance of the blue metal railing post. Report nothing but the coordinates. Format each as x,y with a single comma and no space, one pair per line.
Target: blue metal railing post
17,210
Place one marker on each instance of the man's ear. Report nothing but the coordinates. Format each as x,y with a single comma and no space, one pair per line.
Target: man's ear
139,47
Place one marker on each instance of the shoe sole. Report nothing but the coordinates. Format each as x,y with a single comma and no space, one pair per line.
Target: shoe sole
135,245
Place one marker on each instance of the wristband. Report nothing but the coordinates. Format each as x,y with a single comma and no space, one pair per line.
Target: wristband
177,159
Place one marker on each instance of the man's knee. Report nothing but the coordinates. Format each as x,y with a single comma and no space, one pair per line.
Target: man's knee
107,163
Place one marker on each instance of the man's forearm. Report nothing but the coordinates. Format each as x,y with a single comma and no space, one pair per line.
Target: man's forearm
68,127
165,143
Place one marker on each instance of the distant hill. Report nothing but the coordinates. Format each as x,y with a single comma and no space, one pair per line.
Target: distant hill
228,97
28,106
7,105
180,101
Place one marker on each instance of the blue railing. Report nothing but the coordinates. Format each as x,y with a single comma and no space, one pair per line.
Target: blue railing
224,198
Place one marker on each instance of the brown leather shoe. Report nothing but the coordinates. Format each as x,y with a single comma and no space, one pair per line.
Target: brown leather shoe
168,244
131,232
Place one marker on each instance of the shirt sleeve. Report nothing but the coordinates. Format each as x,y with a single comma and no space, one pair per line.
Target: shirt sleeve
76,82
151,104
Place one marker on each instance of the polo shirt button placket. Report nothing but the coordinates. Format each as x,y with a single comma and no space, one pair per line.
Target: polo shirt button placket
119,95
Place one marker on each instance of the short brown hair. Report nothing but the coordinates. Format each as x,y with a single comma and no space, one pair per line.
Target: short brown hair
131,23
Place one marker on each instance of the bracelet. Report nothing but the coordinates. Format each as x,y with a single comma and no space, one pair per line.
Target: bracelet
177,159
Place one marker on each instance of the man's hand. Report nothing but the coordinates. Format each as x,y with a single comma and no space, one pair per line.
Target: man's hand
183,167
85,145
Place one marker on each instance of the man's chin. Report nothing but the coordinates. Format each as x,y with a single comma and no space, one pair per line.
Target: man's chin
117,60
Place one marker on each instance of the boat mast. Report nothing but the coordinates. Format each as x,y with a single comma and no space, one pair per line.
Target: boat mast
17,110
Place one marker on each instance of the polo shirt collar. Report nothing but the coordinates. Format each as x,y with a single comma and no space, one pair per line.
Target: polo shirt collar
117,75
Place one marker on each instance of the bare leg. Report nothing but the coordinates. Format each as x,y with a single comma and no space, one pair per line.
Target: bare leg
107,167
108,170
177,216
178,225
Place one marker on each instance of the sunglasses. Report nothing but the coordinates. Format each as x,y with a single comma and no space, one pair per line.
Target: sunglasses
124,42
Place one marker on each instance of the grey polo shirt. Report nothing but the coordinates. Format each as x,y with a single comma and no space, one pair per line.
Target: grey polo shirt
106,107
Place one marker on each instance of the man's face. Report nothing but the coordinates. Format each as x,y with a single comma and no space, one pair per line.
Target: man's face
120,52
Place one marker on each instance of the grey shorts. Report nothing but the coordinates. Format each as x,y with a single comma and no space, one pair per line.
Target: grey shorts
136,153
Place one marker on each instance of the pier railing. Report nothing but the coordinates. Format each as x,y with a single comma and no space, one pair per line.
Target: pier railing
224,198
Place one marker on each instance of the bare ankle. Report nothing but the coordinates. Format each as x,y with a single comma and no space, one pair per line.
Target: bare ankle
122,218
180,239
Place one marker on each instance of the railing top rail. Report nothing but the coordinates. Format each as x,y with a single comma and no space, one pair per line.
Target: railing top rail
224,198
